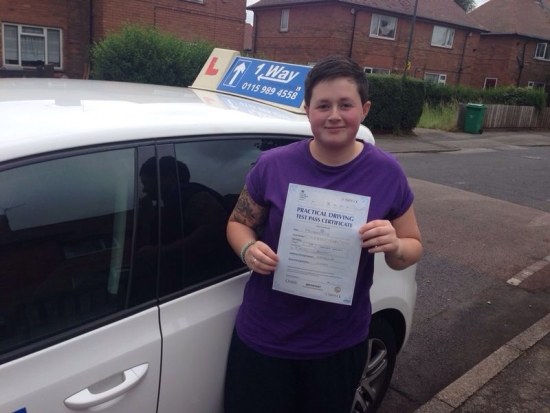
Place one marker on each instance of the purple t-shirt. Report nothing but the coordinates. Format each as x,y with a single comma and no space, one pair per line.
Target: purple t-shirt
288,326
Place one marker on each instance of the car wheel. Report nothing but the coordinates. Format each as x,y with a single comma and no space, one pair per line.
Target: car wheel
378,370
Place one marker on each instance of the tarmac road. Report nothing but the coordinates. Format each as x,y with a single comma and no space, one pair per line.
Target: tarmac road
480,340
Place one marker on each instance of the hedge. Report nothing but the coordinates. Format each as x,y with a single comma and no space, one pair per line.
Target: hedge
143,54
397,102
506,95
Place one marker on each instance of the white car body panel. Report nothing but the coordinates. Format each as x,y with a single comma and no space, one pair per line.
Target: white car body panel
106,112
197,331
394,290
42,381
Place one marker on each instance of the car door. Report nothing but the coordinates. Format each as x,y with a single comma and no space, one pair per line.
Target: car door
78,328
198,309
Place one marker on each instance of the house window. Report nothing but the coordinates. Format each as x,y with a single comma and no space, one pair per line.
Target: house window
542,52
443,36
435,78
377,70
383,26
490,83
284,20
536,85
31,46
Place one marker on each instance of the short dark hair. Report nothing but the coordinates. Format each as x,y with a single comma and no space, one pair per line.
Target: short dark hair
167,166
333,67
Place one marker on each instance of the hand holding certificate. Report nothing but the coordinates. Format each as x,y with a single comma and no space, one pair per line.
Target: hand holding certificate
320,246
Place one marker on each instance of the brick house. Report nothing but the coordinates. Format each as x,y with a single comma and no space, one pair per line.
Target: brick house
517,50
373,32
60,32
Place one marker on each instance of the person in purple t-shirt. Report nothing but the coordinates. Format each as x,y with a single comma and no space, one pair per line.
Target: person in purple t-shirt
291,354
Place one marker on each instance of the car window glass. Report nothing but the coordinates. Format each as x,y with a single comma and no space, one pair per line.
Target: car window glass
65,238
211,177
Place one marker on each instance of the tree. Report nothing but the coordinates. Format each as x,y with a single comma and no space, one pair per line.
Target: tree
466,5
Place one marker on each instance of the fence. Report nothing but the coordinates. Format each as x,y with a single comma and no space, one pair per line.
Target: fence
516,117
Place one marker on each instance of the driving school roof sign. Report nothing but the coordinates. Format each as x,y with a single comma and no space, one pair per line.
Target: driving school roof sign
279,83
276,83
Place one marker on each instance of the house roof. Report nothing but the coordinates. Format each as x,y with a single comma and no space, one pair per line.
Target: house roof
520,17
445,11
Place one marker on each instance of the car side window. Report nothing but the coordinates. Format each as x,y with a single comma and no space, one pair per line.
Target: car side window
66,227
211,177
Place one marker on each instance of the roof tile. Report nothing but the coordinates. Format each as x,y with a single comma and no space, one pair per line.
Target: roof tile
521,17
446,11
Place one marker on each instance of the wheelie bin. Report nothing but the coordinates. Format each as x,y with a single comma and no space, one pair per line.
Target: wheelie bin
475,113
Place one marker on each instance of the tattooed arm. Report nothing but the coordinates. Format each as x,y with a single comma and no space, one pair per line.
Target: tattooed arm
242,229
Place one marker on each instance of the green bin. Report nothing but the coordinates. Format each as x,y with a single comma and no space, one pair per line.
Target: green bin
475,113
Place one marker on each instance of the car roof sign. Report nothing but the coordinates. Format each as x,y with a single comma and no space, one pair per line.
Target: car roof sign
275,83
214,69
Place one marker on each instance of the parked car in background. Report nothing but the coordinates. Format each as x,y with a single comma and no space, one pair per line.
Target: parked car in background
119,290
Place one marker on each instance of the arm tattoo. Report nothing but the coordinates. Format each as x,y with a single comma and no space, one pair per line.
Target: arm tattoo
248,212
401,258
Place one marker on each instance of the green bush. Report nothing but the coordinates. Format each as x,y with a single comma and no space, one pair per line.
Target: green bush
143,54
506,95
397,102
441,94
511,95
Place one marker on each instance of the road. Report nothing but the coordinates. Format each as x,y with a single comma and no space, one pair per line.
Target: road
484,213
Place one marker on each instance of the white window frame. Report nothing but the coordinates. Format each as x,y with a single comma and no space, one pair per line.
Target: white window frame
542,52
376,70
285,18
490,78
441,78
377,31
446,34
21,33
535,85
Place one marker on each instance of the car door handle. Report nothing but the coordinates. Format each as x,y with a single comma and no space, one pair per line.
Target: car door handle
85,399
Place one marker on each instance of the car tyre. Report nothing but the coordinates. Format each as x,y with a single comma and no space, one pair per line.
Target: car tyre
378,370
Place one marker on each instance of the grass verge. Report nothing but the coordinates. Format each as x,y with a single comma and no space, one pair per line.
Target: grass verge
442,117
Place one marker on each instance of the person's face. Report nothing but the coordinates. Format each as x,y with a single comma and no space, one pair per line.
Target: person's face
149,185
335,112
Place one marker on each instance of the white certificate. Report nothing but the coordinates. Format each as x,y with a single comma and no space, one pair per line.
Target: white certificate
320,247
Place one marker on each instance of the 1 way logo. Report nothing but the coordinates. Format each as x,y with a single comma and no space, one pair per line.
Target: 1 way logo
276,73
275,82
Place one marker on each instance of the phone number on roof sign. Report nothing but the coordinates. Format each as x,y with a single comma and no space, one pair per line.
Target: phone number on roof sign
269,90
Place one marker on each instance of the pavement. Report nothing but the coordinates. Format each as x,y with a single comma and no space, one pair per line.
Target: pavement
431,140
516,377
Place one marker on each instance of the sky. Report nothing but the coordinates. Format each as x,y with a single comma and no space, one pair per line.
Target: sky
250,15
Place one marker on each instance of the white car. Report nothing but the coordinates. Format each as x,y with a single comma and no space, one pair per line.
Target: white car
94,315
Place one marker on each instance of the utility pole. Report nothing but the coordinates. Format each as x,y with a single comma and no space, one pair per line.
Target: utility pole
410,38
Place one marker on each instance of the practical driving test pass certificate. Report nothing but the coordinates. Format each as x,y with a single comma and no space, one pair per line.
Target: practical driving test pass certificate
319,247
